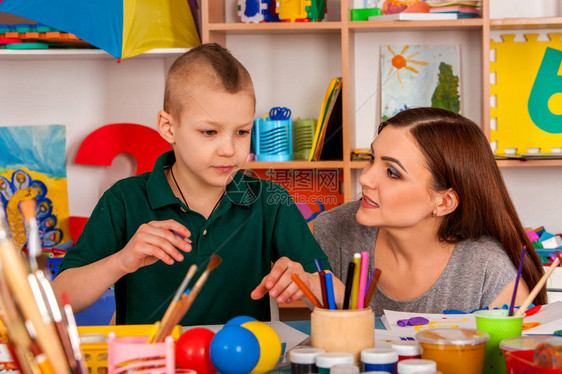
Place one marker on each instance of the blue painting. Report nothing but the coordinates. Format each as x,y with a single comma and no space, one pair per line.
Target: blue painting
33,164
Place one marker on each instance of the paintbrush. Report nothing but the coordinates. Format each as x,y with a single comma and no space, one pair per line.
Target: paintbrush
73,336
18,337
43,291
181,311
15,272
538,286
173,304
512,304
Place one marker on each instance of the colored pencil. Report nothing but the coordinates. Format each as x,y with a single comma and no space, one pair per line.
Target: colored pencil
355,286
372,286
540,284
512,304
330,290
321,275
348,284
363,279
306,291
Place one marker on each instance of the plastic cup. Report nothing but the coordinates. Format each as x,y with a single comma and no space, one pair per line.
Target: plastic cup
455,350
500,326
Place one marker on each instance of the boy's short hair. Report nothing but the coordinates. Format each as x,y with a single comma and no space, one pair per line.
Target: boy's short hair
206,61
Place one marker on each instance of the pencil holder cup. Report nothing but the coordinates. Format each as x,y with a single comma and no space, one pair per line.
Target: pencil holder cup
133,353
273,139
303,131
343,330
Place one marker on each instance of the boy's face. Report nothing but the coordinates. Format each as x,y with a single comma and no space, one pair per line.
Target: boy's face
211,138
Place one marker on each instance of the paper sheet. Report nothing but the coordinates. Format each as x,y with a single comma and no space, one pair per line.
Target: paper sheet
435,320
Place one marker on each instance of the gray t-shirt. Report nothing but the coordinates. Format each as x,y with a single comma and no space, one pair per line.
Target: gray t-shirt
475,274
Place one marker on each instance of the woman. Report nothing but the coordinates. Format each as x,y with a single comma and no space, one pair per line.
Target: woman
436,216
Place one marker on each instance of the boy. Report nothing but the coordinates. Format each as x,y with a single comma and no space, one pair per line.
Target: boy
146,231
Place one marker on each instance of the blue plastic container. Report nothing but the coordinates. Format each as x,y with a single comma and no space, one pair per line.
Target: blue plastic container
273,139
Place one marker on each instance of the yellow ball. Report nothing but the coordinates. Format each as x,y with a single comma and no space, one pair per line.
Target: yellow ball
270,345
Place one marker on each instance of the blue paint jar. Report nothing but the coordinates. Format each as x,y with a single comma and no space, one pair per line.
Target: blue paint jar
379,359
303,360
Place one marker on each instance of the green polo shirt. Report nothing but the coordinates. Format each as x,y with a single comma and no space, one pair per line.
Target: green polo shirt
255,224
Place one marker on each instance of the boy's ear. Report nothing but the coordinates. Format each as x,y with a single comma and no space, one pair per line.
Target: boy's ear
446,202
165,126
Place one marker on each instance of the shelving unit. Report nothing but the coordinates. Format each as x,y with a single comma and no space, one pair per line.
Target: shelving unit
338,47
218,26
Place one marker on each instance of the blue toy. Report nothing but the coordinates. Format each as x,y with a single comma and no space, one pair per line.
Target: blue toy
237,321
235,350
256,11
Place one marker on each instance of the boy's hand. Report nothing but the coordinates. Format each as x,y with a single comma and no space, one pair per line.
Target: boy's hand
153,241
279,283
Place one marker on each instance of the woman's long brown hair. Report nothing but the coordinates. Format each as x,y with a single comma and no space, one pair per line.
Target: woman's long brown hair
459,156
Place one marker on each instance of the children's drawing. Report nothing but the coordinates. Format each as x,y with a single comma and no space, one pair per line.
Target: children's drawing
526,93
419,75
33,165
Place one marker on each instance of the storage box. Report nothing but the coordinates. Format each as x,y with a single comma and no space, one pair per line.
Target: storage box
95,354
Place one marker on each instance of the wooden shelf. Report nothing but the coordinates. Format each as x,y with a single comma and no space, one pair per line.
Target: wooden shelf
276,27
358,164
295,165
528,163
458,24
526,23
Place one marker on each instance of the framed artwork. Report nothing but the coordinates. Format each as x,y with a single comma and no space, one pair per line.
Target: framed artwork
33,165
419,76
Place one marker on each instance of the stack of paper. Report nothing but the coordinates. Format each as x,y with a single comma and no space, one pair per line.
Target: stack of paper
463,9
414,17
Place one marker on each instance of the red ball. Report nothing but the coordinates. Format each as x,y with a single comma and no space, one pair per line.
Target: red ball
192,350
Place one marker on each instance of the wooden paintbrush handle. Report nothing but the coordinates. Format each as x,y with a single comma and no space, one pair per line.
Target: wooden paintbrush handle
16,275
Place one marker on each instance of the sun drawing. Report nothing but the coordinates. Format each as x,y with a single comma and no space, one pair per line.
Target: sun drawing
400,62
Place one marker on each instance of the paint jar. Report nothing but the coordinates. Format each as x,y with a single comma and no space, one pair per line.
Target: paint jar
407,350
324,361
344,369
455,350
303,360
416,365
379,359
343,330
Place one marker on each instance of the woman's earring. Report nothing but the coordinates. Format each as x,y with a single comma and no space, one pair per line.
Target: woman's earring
434,213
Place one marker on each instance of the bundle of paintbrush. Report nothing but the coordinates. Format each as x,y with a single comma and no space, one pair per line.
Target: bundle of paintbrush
182,300
42,337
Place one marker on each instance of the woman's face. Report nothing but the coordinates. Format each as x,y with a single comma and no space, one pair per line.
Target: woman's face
396,183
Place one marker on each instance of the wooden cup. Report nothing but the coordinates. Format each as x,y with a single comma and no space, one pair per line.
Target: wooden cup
349,330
